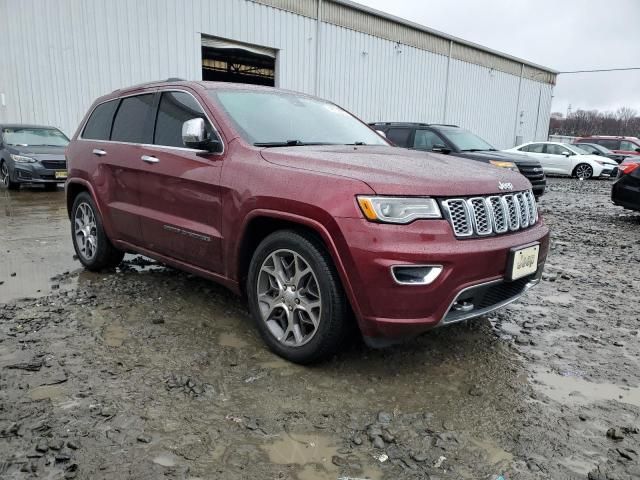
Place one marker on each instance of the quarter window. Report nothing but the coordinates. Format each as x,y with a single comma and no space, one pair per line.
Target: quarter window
399,136
610,144
98,126
175,109
132,120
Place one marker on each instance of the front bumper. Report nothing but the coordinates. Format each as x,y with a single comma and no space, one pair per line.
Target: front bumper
389,310
36,173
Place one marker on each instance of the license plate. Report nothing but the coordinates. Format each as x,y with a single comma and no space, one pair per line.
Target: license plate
61,174
523,262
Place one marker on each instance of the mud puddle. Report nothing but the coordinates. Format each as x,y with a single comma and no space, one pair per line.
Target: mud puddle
145,373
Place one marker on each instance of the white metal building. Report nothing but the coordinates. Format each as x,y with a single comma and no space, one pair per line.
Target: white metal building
57,56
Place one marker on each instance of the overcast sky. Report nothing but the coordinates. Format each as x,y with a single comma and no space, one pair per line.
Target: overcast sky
560,34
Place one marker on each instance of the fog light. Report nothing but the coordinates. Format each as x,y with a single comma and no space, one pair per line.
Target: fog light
415,274
23,174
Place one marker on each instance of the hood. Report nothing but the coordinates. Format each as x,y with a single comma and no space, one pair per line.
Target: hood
599,158
398,171
499,155
39,153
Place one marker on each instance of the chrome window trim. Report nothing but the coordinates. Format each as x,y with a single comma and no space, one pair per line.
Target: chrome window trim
429,279
153,92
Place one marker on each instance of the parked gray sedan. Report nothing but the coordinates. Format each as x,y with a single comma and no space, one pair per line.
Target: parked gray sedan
32,154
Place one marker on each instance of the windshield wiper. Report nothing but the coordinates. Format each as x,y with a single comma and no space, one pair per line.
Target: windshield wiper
479,150
289,143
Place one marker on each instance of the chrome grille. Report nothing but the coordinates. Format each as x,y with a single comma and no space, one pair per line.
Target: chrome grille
499,213
459,215
496,214
480,216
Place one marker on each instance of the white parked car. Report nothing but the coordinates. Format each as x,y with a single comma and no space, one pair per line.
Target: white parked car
565,159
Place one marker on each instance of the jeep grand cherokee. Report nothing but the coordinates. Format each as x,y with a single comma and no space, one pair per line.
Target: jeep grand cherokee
299,205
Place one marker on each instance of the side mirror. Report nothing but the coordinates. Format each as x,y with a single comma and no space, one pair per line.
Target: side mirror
567,154
438,147
194,135
638,150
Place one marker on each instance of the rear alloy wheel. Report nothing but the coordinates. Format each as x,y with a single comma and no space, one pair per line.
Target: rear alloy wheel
91,244
583,170
296,297
5,178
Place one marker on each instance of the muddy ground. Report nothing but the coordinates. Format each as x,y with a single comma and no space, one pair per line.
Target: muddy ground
146,372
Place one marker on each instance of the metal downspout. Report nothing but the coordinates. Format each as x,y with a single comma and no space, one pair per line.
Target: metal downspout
446,85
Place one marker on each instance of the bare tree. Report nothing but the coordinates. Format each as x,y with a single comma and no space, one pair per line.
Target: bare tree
625,121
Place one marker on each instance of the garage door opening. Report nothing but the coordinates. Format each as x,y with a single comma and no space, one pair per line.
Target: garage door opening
225,61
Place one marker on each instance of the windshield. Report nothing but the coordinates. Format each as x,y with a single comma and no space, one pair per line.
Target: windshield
576,149
465,141
35,137
286,119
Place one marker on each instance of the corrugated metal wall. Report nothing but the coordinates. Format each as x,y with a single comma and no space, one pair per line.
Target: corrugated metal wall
57,56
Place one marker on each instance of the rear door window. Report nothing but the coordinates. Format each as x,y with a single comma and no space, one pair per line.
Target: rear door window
98,126
175,109
609,143
132,122
399,136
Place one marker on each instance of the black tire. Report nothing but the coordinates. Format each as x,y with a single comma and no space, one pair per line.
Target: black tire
334,324
587,168
105,255
6,181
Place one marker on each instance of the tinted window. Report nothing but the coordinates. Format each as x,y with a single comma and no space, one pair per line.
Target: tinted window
624,145
399,136
175,109
589,148
610,144
98,126
426,139
130,124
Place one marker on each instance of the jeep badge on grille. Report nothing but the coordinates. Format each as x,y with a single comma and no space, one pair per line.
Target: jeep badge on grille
505,185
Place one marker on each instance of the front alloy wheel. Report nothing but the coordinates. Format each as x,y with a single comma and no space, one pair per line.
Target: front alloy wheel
296,297
289,297
584,171
5,178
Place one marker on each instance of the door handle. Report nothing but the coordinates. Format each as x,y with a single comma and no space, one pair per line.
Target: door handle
149,159
98,152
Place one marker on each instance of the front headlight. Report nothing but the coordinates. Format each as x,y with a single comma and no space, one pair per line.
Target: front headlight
398,209
22,159
502,164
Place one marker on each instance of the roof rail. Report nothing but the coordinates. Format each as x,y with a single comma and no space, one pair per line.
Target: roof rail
153,82
415,124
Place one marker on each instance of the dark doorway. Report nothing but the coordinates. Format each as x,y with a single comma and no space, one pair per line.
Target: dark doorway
223,61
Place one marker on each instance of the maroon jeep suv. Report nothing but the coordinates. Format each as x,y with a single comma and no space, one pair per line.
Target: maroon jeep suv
295,203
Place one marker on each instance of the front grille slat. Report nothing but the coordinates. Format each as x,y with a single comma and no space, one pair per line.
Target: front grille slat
491,215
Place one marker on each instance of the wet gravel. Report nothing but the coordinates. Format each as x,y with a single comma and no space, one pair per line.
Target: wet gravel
146,372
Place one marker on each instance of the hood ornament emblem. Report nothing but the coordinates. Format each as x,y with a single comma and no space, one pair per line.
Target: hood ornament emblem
505,185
